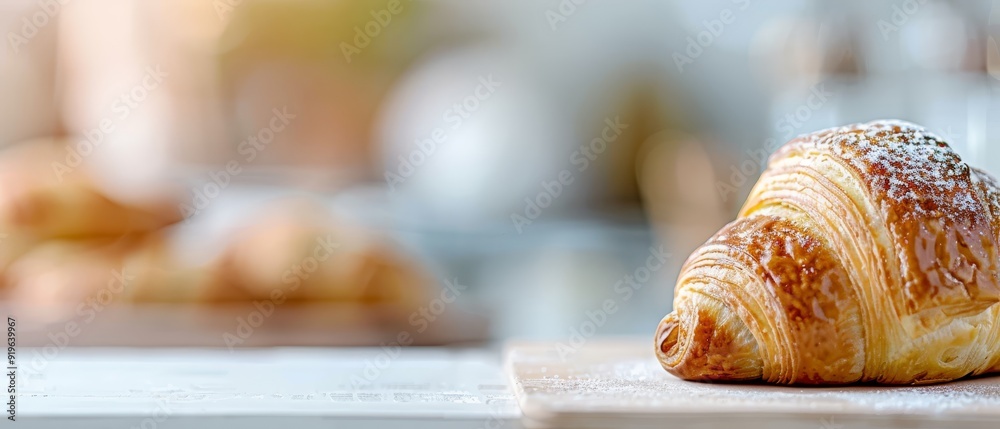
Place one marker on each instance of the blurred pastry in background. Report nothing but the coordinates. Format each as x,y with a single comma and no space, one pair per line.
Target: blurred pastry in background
300,250
42,197
91,251
61,278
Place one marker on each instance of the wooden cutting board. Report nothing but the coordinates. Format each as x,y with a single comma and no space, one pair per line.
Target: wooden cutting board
619,384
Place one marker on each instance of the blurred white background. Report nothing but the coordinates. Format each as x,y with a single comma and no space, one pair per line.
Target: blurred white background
481,137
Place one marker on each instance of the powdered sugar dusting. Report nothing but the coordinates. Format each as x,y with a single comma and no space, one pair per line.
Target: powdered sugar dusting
624,380
929,202
913,170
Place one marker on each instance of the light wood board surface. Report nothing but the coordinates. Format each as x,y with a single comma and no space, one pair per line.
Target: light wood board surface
619,384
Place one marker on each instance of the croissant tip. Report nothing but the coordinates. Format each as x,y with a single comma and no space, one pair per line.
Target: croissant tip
667,336
715,348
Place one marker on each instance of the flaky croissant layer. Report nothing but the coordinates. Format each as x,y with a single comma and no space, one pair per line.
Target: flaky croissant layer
865,253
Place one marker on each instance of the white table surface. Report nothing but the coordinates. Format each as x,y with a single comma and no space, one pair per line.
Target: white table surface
293,387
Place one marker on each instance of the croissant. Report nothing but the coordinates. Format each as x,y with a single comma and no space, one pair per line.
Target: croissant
865,253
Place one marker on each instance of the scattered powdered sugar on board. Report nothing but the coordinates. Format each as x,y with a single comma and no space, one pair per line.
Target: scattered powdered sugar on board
642,382
913,171
607,376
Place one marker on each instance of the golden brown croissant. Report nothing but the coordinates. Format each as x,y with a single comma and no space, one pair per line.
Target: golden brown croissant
866,253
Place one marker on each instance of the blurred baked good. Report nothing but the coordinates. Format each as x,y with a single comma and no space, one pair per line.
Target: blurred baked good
299,250
43,197
296,253
40,194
